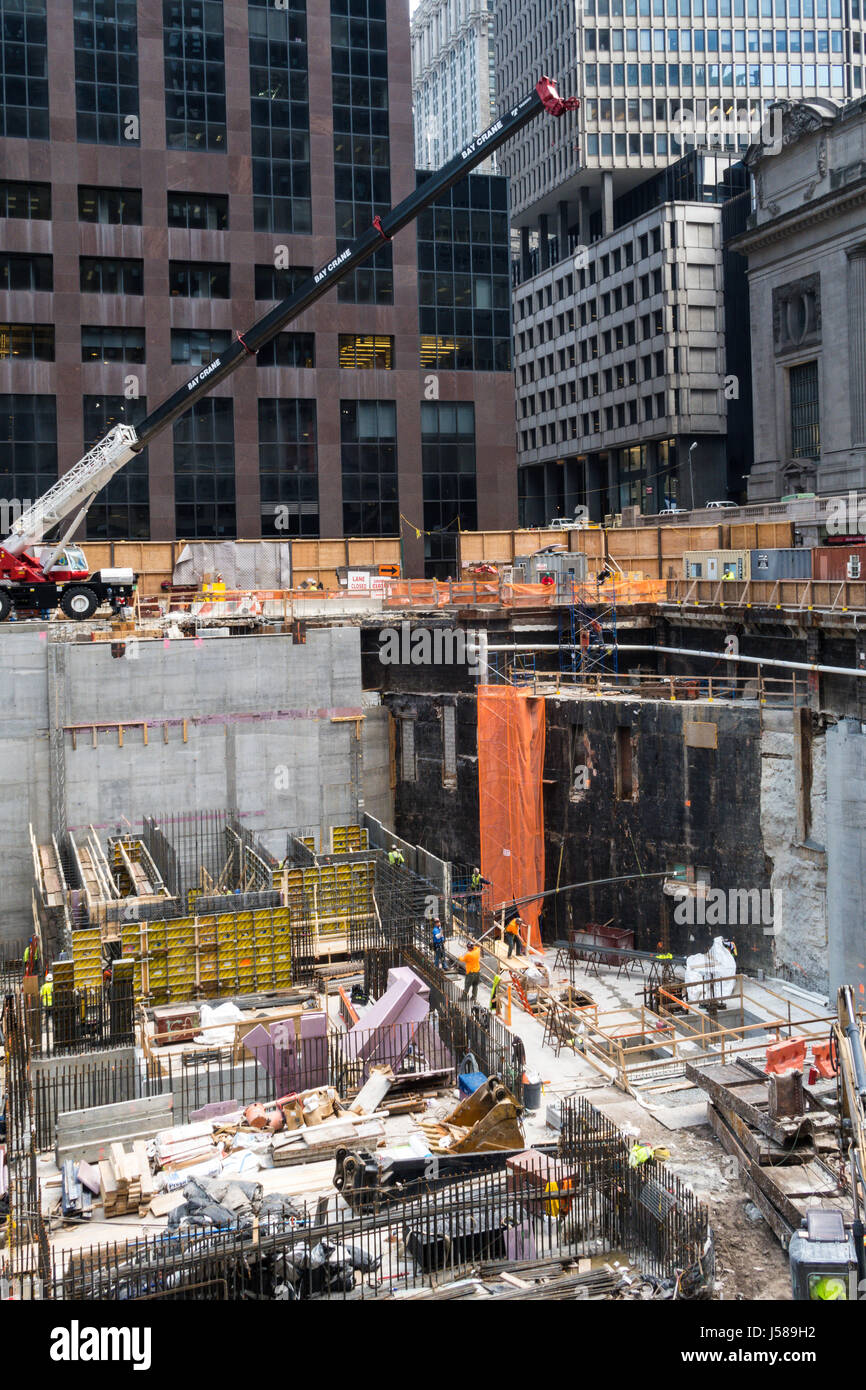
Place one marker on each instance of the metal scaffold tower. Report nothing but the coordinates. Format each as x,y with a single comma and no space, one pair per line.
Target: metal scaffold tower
587,633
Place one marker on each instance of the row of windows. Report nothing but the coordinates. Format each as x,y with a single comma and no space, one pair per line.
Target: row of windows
713,75
725,9
204,465
362,177
715,41
280,117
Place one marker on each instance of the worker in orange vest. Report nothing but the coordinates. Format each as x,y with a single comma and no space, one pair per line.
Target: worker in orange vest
472,964
512,931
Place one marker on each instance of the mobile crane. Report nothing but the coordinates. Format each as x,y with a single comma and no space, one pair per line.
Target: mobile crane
31,581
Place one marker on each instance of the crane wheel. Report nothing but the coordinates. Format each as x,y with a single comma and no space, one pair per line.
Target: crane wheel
79,602
5,605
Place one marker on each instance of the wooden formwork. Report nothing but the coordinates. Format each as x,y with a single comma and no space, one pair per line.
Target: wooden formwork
636,1043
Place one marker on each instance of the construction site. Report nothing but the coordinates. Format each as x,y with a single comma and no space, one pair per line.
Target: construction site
253,842
367,937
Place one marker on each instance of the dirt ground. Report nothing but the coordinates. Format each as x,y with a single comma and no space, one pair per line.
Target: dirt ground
750,1262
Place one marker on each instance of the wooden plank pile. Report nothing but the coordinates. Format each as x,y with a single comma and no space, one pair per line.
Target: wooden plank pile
786,1161
126,1181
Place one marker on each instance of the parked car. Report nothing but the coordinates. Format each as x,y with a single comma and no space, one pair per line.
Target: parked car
673,511
712,506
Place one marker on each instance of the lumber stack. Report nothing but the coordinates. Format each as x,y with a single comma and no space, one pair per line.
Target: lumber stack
126,1182
784,1162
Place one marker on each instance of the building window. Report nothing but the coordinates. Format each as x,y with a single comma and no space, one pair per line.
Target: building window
624,770
368,456
25,272
121,510
408,765
362,178
449,482
110,275
288,467
273,284
198,211
805,412
24,69
199,279
366,353
121,206
28,447
197,347
204,471
195,79
29,342
106,72
280,116
288,350
464,289
108,345
28,200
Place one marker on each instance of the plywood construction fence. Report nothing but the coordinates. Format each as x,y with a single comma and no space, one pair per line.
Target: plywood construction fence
154,561
656,551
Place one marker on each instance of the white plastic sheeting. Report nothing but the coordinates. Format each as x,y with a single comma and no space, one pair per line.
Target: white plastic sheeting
711,974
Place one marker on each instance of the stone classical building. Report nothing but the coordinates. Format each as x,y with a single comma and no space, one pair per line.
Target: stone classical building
453,78
806,250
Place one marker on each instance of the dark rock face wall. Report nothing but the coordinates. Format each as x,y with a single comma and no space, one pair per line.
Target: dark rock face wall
661,804
429,813
647,801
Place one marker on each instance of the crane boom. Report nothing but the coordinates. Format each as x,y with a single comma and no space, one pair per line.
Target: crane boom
68,500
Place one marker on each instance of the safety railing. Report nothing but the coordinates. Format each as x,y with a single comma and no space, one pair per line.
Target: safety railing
800,595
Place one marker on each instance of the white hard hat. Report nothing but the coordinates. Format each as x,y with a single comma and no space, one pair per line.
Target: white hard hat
48,977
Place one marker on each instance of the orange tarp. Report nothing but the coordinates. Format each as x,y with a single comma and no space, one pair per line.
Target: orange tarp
511,729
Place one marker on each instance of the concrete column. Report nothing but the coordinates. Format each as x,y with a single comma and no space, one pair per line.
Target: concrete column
525,269
583,215
857,340
606,202
563,230
543,243
846,845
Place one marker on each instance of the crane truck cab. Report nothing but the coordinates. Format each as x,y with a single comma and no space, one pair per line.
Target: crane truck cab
71,563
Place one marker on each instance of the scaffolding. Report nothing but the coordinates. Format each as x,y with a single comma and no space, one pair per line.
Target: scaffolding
588,632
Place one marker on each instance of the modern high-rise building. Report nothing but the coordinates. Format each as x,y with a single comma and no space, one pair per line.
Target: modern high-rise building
168,171
656,79
453,77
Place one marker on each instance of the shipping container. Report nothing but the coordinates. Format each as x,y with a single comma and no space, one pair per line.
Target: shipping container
716,564
839,562
793,563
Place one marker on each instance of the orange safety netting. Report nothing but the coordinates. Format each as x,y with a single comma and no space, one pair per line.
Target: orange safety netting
511,730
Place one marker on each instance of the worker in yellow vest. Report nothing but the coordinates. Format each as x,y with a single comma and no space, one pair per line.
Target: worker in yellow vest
46,993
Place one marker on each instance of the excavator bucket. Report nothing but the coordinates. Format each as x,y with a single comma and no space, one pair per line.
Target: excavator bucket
492,1116
500,1128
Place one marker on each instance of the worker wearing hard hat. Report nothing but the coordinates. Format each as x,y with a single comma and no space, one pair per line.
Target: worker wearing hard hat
46,993
395,856
472,964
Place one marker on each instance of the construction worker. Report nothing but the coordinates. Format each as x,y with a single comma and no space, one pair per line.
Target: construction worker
472,964
395,856
46,993
494,994
438,944
31,957
512,933
829,1288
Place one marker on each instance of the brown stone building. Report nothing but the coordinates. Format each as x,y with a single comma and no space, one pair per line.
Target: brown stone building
168,170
